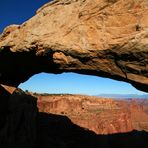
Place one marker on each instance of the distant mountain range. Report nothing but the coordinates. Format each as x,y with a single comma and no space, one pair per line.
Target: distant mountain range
124,96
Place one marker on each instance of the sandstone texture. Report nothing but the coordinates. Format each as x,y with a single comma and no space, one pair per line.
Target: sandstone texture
107,38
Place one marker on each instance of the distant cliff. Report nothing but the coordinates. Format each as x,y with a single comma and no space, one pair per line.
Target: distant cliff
103,116
68,121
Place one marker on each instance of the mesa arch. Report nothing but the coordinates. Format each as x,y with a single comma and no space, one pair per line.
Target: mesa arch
107,38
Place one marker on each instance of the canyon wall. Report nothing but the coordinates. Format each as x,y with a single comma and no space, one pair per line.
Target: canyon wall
107,38
64,124
103,116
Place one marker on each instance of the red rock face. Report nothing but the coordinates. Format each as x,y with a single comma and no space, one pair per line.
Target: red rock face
139,114
103,116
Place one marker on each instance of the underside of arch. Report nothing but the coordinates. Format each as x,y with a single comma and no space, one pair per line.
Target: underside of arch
83,36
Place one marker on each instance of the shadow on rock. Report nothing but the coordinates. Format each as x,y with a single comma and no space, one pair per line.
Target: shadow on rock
22,126
58,131
18,118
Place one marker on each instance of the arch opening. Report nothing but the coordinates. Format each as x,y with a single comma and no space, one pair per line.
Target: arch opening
72,83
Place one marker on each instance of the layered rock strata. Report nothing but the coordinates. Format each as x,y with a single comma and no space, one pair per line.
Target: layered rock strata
103,116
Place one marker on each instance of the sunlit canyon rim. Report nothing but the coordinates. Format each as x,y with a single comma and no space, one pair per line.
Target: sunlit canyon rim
107,38
101,115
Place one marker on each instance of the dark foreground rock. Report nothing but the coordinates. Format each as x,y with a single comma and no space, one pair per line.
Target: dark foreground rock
58,131
101,115
18,118
22,126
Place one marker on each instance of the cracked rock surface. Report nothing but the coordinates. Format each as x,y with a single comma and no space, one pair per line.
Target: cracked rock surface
107,38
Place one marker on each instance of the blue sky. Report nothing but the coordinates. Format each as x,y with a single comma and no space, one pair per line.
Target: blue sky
18,11
77,84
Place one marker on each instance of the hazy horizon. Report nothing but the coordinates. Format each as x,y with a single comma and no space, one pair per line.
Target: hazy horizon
72,83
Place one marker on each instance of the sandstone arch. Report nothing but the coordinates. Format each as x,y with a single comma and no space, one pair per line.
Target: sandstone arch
92,37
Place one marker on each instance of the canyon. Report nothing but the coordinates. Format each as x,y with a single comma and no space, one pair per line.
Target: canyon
107,38
68,121
100,115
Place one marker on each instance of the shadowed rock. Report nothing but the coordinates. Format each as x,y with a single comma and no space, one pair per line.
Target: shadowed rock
22,126
102,116
18,119
59,132
107,38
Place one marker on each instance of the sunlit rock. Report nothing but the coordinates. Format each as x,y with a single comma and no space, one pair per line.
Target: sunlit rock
107,38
